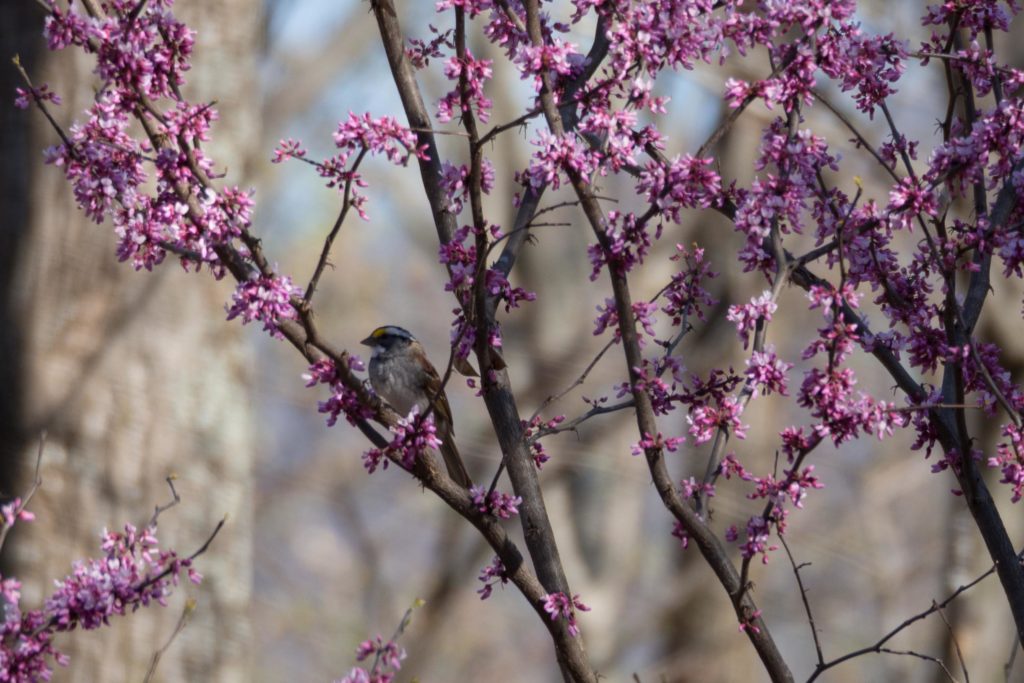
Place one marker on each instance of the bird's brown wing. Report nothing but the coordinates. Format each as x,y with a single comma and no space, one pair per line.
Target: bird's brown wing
431,387
445,429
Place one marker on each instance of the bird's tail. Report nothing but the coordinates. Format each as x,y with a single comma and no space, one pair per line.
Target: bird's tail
453,461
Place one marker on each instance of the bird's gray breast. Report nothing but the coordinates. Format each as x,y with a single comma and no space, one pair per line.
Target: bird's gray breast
397,384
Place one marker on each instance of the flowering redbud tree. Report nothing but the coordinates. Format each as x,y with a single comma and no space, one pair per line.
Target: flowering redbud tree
135,160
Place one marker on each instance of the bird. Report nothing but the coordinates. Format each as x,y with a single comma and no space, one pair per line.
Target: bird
402,375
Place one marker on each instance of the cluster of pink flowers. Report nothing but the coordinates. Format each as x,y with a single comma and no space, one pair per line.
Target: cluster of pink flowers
495,503
414,435
706,419
492,575
534,431
657,441
686,294
343,399
459,255
560,606
455,183
474,72
420,52
767,372
387,661
1010,461
13,511
869,65
133,572
829,392
790,490
355,137
643,314
685,183
746,317
266,299
26,96
555,157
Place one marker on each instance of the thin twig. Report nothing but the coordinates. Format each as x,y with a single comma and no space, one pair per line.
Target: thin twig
37,481
572,425
325,253
175,499
514,123
1008,667
435,131
956,644
190,607
878,646
402,625
927,658
860,138
803,597
554,398
202,549
41,105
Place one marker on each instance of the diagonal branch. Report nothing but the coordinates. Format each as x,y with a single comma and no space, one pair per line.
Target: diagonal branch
711,549
498,396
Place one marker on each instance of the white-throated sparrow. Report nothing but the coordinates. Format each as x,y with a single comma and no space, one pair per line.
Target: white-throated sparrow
402,375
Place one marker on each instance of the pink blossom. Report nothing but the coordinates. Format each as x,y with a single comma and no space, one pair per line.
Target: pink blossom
387,661
497,504
1009,460
746,317
705,420
414,435
384,136
26,96
559,606
492,575
767,372
266,299
686,294
473,72
657,442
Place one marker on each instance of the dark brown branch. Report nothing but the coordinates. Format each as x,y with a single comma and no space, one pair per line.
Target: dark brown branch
416,112
709,545
498,396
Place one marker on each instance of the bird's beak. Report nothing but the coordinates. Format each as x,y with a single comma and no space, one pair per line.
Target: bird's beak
368,341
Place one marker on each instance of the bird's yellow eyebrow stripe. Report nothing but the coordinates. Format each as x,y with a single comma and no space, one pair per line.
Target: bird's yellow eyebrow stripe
379,332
